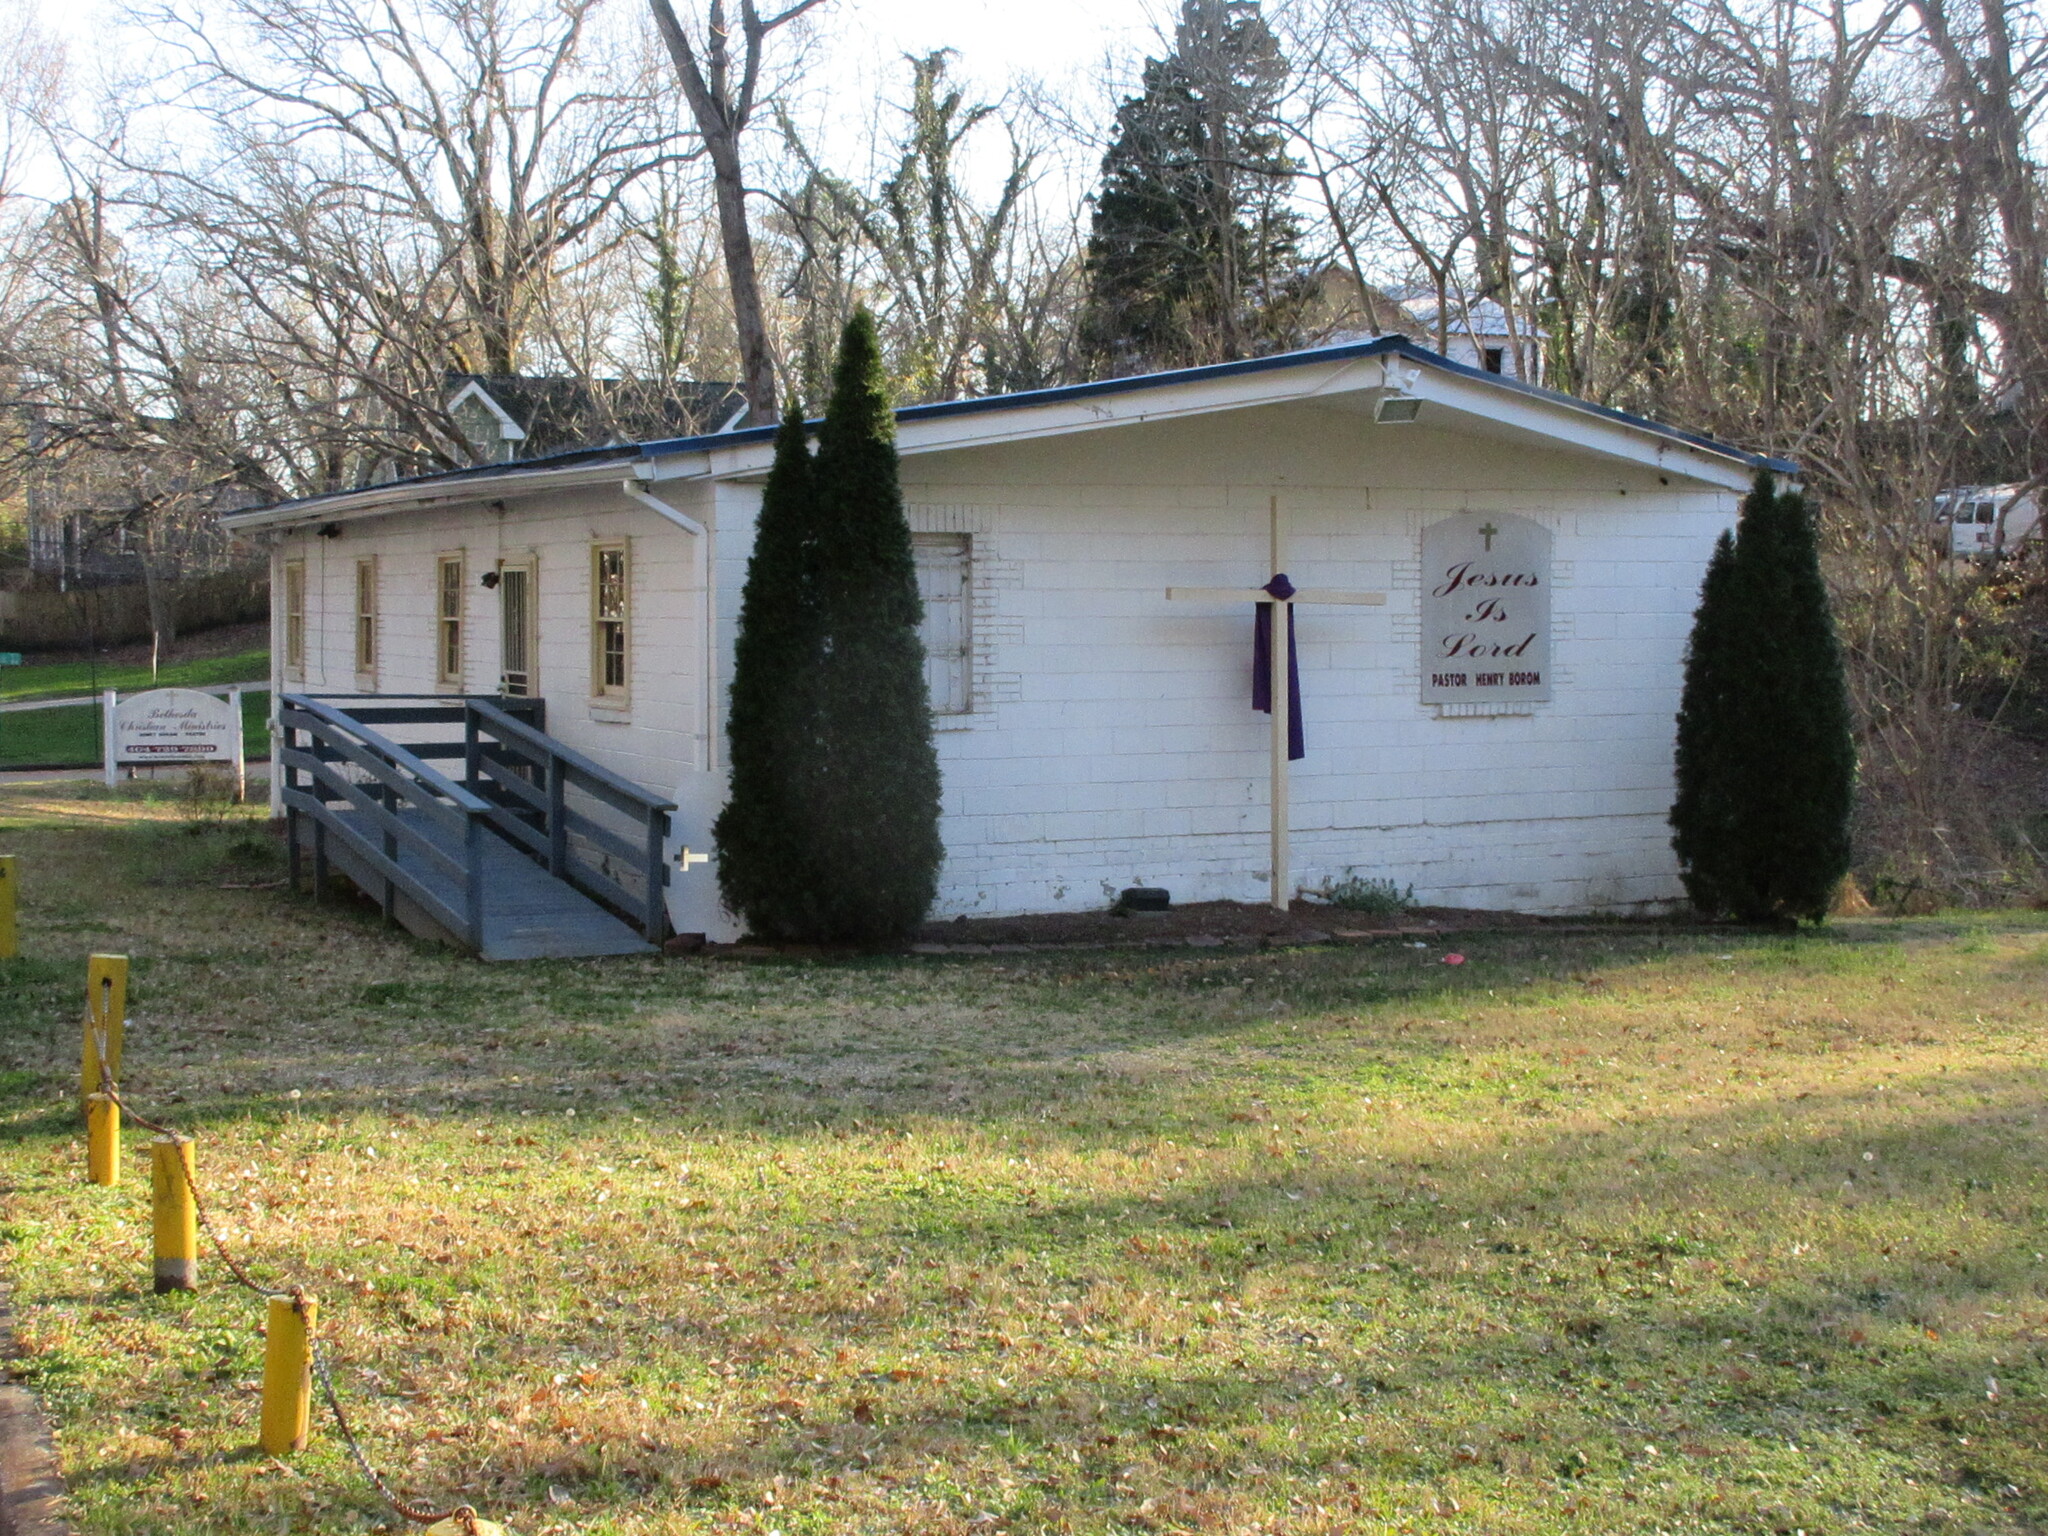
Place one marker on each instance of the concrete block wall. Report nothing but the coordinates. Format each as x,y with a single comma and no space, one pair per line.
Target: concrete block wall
1129,753
1112,740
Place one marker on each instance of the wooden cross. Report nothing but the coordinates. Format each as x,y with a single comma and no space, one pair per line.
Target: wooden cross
1276,657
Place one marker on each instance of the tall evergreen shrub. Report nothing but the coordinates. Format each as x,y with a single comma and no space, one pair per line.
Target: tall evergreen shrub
1766,755
1702,816
764,850
874,801
832,830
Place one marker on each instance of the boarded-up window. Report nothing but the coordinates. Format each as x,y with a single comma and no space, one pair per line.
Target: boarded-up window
943,581
610,614
448,620
366,617
295,618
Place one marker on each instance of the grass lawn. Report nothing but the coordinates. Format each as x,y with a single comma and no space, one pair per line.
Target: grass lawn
64,679
70,734
1620,1232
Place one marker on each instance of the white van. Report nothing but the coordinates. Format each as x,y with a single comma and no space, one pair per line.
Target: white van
1985,521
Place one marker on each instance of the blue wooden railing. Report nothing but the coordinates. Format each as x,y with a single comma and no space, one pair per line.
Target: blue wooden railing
317,746
589,827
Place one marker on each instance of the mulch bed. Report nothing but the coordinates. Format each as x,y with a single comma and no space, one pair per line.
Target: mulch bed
1202,924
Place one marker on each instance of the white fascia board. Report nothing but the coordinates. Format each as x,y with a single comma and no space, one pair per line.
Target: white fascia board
1584,431
417,496
1060,418
1573,430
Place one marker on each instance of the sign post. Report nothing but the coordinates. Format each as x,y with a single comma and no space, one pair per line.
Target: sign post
175,727
10,658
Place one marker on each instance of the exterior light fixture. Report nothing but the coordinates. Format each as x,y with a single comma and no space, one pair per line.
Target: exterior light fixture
1398,377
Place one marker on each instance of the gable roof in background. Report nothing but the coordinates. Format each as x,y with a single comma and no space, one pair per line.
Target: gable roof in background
545,414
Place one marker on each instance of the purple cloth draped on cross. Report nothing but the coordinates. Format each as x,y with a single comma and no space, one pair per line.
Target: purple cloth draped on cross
1279,592
1262,665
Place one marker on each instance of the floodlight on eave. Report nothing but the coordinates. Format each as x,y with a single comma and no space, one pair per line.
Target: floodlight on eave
1398,403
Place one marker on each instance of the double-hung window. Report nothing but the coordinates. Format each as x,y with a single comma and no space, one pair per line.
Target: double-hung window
295,620
366,617
448,595
610,622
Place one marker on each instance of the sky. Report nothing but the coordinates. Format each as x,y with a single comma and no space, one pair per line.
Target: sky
1054,40
1079,52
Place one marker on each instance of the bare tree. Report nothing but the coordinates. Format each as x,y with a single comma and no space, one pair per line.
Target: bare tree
940,259
721,81
395,193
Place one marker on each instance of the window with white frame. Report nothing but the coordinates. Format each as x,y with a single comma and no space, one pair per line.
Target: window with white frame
611,600
366,617
944,581
448,595
295,619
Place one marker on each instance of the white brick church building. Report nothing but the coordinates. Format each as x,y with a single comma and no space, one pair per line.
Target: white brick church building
1497,732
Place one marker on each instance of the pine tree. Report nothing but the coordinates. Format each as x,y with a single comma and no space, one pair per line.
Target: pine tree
765,867
1767,761
1192,254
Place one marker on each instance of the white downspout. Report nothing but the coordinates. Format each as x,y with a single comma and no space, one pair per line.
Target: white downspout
700,562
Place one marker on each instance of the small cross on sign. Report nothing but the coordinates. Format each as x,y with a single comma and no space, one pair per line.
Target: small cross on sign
1487,531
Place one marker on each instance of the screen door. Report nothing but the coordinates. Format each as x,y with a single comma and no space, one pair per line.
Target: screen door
518,634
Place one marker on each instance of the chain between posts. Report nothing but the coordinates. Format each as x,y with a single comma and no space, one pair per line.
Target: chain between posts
418,1514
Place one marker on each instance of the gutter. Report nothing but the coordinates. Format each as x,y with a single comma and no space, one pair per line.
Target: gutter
700,573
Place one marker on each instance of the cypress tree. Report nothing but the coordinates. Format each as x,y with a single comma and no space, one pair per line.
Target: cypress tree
874,798
1767,759
1193,253
1702,820
764,856
832,831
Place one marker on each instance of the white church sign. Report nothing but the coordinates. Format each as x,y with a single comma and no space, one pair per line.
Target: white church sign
1485,610
173,727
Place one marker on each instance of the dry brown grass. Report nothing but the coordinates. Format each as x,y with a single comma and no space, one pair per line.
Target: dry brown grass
1626,1232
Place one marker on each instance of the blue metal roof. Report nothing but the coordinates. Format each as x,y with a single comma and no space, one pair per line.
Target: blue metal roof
1026,399
1344,352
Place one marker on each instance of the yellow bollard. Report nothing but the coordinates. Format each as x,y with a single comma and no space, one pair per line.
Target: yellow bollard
287,1375
10,944
102,1139
176,1216
106,1009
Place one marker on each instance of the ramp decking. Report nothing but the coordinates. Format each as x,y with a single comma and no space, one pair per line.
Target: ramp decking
534,853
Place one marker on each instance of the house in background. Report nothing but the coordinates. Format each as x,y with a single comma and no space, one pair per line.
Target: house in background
1476,332
508,416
